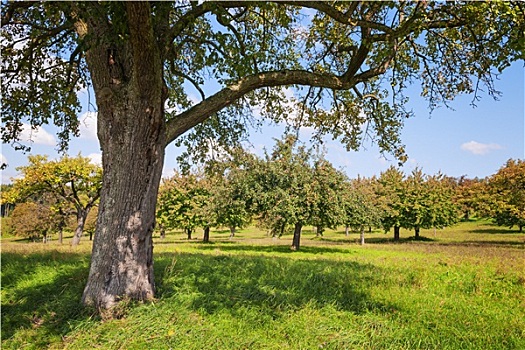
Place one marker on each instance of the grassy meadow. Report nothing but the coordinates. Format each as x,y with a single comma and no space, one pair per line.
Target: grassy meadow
458,288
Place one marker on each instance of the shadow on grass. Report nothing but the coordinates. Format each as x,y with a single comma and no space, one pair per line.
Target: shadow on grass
495,230
485,243
218,283
277,248
42,292
379,240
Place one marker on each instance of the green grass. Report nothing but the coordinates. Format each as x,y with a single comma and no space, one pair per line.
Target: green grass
463,288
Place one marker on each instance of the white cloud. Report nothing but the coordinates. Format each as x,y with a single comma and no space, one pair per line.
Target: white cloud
480,148
96,158
88,126
38,136
3,159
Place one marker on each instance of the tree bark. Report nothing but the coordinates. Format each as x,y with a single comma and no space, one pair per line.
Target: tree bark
188,233
61,231
296,243
81,221
206,237
232,231
416,231
347,229
396,233
128,83
122,259
362,235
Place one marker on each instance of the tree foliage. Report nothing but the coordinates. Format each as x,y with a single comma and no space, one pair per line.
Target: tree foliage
363,207
182,203
357,57
417,201
31,220
506,191
73,183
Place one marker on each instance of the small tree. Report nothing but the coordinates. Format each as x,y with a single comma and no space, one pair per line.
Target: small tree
180,203
284,188
327,196
74,180
391,188
361,205
507,194
31,220
230,200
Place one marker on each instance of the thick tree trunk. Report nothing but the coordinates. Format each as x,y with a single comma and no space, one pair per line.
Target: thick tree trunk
396,233
122,259
296,243
416,232
319,231
81,221
362,235
128,82
206,237
232,231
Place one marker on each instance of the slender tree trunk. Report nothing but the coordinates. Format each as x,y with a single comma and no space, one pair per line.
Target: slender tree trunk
281,230
81,221
188,233
521,228
362,235
162,231
296,243
369,229
347,229
416,231
61,232
319,231
232,231
90,235
396,233
206,237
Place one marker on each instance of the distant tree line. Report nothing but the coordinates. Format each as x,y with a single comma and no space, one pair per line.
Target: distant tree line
292,187
283,191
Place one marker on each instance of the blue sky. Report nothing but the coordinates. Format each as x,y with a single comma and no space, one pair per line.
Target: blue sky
464,141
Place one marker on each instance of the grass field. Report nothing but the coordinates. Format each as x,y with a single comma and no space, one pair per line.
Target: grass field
458,288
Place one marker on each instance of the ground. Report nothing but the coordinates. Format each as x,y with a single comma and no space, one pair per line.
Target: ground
462,287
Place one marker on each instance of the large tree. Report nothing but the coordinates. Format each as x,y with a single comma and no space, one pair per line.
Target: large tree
354,58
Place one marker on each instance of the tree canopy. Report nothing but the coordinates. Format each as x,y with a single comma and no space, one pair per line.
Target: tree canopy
355,59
